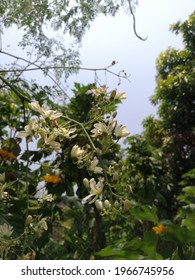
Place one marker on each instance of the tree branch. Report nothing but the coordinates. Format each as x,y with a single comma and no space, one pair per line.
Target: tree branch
19,94
31,63
134,22
119,75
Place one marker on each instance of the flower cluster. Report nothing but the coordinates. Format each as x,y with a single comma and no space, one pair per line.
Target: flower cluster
89,151
38,224
95,188
117,129
46,128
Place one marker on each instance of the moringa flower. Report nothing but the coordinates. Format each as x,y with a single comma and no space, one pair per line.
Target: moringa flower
97,91
29,130
50,114
95,189
46,197
93,166
121,131
35,107
120,96
65,132
41,226
99,129
47,114
77,152
6,230
50,141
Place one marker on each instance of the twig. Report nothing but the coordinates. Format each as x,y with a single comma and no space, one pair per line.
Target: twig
66,67
31,63
19,94
134,22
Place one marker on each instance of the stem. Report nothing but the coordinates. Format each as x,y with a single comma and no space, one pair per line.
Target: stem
83,128
26,181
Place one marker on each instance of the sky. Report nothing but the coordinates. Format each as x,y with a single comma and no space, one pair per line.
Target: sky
112,38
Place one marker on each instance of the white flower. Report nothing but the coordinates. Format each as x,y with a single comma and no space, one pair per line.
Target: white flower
29,130
6,230
50,114
62,131
111,125
46,197
35,107
97,91
93,166
121,131
95,189
99,129
77,151
120,96
53,144
41,226
49,140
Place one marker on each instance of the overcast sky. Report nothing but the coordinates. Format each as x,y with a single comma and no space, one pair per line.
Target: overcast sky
113,39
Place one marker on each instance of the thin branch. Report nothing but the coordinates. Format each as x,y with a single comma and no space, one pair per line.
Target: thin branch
83,128
19,94
38,67
31,63
68,67
134,22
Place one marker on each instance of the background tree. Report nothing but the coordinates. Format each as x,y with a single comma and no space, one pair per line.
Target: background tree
162,158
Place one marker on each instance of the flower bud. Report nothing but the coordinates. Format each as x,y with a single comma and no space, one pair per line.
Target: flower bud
99,204
107,204
86,183
116,204
5,195
127,205
115,177
112,94
29,219
114,114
